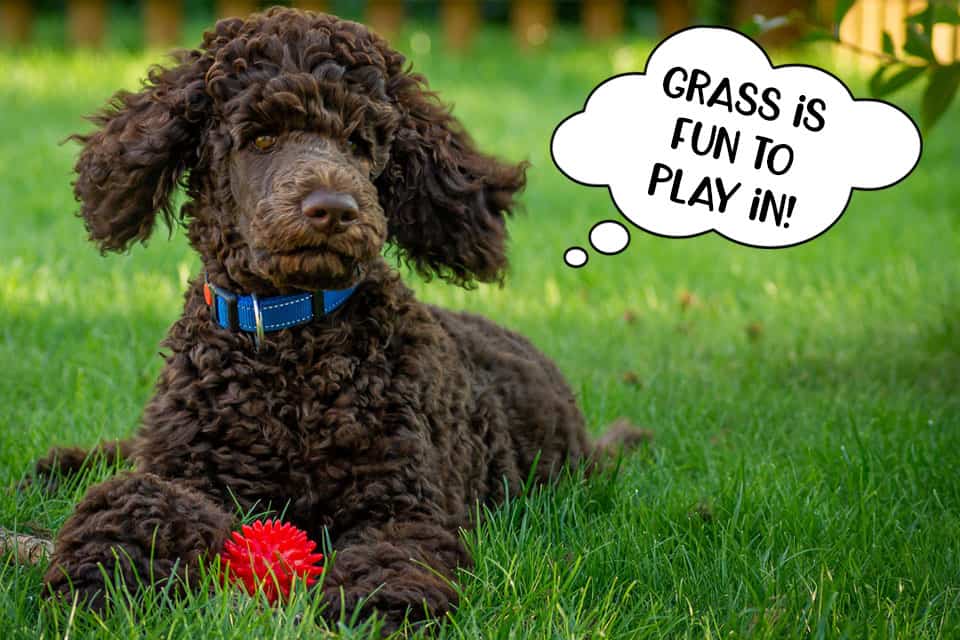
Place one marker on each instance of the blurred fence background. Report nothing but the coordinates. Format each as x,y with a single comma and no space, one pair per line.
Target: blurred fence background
87,22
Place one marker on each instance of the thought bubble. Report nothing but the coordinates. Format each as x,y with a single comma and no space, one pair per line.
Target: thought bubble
575,257
608,237
712,137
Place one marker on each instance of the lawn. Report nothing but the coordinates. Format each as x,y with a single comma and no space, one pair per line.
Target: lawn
805,476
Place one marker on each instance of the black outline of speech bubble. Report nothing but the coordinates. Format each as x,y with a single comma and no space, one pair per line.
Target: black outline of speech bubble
772,66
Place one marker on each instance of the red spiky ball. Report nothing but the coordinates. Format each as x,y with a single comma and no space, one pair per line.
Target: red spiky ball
268,556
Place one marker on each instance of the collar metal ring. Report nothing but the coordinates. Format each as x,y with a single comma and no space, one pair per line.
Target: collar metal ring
257,318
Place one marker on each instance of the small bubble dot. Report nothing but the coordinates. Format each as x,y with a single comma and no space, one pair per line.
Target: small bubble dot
575,257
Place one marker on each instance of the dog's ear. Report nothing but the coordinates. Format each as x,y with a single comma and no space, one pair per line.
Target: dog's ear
130,165
445,201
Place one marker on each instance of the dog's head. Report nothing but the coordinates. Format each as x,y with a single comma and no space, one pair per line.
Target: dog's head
304,146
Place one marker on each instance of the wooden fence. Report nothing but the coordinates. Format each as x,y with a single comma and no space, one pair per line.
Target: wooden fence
867,21
530,20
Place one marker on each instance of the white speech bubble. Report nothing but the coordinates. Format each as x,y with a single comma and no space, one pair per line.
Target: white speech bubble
712,137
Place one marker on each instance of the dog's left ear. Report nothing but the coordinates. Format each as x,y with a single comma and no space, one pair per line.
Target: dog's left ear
445,201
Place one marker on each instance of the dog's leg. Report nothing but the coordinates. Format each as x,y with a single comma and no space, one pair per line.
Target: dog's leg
138,525
65,461
401,570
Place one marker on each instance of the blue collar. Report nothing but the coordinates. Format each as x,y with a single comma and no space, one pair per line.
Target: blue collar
257,315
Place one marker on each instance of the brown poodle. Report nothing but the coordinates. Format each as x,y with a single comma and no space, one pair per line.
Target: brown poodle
303,375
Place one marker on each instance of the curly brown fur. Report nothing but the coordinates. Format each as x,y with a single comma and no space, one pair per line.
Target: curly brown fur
382,424
61,462
140,526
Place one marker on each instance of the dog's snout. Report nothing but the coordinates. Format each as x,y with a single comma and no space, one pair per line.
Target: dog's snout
329,210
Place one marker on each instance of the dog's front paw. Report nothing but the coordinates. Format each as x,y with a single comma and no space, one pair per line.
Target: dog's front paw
87,592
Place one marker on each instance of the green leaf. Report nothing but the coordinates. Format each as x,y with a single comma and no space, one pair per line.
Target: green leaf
935,13
940,91
883,83
876,80
841,10
888,47
918,43
749,28
817,34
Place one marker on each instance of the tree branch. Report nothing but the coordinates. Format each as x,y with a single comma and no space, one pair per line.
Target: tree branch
26,549
867,52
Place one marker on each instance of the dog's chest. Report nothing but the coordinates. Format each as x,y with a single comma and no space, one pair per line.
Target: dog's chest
326,419
316,412
277,431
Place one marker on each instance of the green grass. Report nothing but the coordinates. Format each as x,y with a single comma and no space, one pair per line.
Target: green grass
804,479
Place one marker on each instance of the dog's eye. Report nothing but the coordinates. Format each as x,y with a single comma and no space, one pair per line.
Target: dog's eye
357,145
264,143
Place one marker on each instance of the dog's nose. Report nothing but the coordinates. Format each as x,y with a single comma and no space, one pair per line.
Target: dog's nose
329,210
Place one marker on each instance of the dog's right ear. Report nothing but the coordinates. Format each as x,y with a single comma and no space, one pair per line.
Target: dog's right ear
144,142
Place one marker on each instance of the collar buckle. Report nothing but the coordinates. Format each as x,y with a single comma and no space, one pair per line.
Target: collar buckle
212,294
317,303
